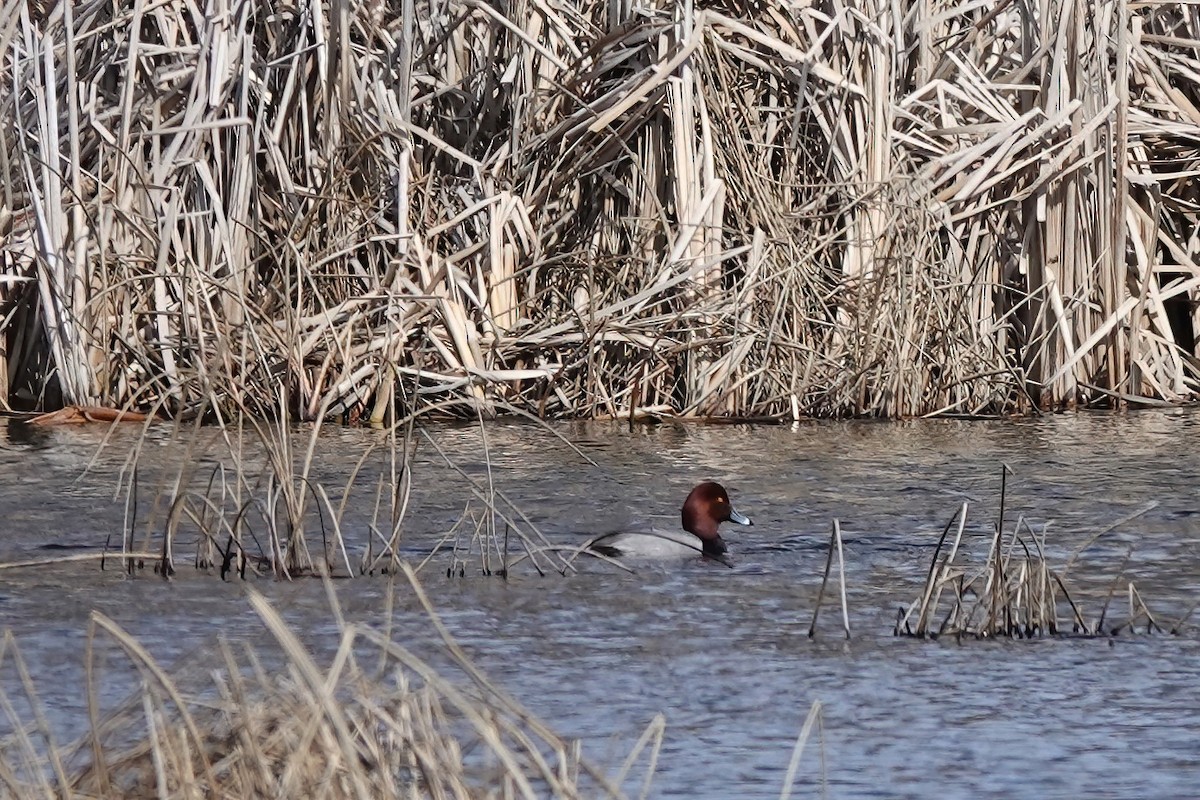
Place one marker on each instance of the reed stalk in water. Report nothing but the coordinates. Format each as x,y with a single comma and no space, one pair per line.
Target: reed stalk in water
1016,594
597,209
835,545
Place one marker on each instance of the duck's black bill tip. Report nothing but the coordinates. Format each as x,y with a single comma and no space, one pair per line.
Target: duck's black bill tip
739,518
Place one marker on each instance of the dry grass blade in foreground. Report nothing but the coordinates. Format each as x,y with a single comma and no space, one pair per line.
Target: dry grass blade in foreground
376,721
598,209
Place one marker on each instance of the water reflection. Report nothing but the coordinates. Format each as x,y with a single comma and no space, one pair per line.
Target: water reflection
723,653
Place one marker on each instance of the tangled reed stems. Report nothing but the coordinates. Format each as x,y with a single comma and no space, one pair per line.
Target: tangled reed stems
598,208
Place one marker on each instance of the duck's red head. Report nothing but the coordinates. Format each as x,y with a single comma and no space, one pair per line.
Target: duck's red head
705,508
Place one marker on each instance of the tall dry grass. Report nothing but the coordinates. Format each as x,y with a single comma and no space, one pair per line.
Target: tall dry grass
598,208
248,498
372,720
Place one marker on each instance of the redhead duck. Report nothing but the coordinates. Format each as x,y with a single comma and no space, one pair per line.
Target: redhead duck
705,508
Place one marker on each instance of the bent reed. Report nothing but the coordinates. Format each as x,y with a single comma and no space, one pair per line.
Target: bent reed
598,209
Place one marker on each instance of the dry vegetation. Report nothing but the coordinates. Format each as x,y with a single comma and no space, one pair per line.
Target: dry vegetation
248,498
377,721
595,208
1017,593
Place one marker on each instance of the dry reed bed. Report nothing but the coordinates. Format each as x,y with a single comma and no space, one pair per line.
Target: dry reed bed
598,208
376,721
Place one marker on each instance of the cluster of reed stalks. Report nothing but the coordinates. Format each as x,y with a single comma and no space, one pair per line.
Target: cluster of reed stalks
244,500
617,208
376,721
1015,594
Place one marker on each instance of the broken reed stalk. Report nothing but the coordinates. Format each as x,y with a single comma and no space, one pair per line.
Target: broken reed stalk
837,535
835,544
813,721
598,210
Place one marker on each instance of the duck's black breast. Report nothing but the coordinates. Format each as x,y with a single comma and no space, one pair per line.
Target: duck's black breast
608,550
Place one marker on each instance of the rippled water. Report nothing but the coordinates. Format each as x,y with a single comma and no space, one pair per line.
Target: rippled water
722,653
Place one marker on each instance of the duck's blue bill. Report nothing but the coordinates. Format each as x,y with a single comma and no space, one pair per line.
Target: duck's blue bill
740,519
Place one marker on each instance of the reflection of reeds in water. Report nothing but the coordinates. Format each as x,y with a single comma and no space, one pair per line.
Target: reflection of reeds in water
596,208
1015,594
376,721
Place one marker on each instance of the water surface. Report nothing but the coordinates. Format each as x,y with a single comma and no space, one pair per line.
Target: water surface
722,653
